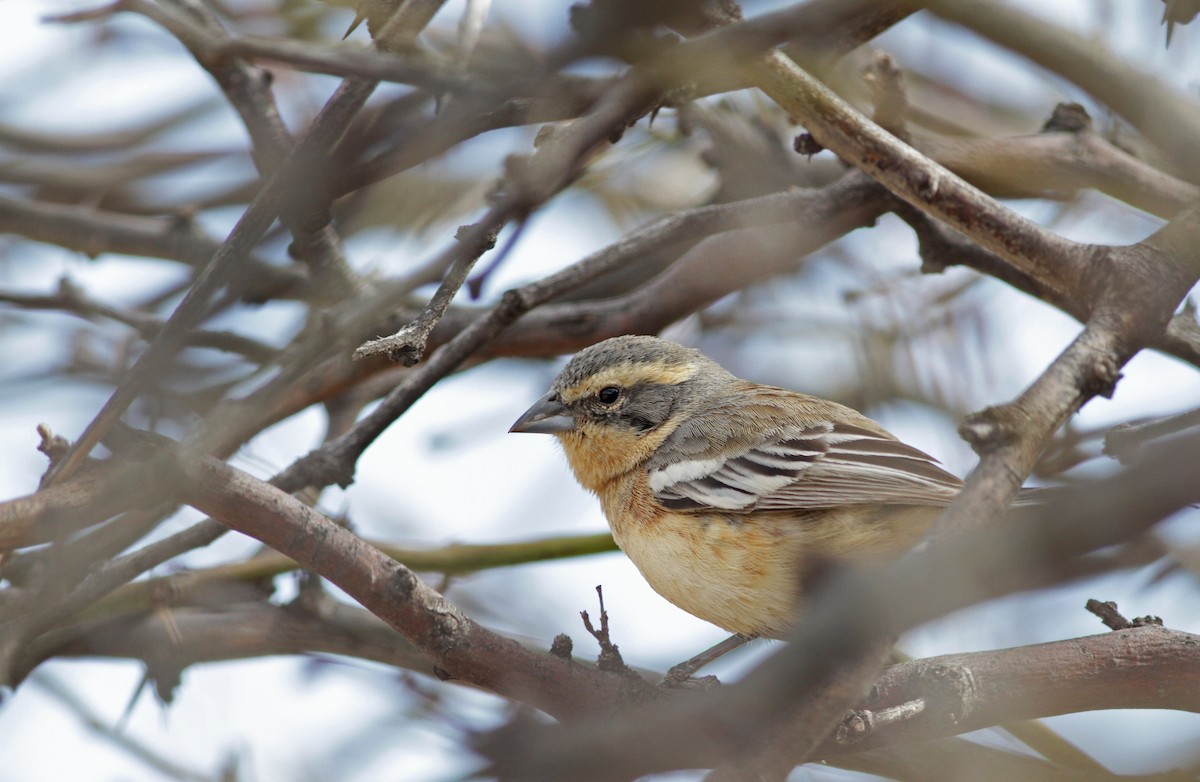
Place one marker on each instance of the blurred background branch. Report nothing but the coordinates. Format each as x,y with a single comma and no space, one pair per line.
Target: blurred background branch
207,207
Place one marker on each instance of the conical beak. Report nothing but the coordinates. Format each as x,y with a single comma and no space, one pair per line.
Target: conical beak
547,416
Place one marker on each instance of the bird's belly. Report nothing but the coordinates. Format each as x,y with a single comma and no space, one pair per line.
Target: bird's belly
741,574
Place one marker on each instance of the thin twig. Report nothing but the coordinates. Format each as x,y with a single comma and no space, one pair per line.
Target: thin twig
71,298
455,559
528,183
133,748
1125,440
278,192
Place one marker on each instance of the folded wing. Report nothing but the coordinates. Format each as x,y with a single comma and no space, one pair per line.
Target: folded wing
766,452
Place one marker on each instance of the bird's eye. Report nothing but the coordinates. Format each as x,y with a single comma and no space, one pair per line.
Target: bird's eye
609,394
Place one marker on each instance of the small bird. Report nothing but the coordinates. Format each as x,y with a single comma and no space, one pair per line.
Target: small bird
733,498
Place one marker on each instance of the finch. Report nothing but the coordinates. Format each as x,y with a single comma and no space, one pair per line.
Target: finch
733,498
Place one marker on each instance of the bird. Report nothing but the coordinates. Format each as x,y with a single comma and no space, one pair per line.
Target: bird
733,499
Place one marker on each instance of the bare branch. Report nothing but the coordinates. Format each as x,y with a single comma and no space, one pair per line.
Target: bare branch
455,559
1169,119
1123,442
1041,165
528,184
859,610
70,298
93,232
279,193
56,512
1057,263
456,644
962,692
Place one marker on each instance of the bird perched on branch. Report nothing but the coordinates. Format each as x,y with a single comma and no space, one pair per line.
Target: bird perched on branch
732,497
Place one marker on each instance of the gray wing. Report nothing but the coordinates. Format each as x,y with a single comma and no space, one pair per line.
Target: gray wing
724,460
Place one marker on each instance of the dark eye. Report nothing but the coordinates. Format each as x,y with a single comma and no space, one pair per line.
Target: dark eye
609,394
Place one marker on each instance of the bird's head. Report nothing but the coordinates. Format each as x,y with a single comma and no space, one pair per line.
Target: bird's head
615,402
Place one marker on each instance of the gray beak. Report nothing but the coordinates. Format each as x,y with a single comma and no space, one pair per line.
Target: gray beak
547,416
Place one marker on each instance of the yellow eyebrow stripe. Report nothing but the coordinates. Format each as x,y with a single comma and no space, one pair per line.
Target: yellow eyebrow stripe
630,374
